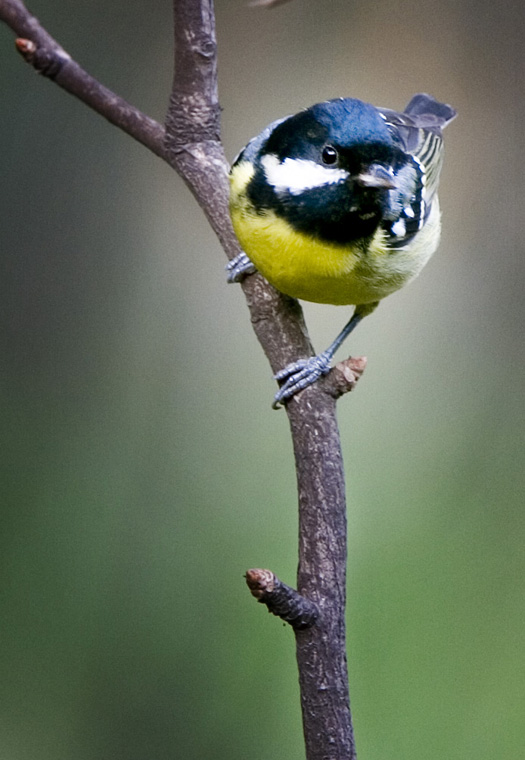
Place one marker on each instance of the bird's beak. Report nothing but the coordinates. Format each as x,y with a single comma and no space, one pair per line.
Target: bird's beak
378,176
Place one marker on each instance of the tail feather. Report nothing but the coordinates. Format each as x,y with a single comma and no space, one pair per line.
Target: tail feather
429,111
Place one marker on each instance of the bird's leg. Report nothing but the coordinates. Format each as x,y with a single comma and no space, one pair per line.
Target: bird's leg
239,267
304,372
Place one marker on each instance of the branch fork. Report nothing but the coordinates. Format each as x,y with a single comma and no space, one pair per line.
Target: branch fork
190,143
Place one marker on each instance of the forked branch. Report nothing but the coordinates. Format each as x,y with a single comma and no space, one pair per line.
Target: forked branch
190,143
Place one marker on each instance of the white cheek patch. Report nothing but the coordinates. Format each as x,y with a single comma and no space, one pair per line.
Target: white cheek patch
294,175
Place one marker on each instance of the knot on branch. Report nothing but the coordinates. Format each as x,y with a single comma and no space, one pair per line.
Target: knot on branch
344,376
205,48
281,600
46,61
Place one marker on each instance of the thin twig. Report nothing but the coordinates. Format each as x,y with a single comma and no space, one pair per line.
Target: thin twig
44,53
344,376
282,600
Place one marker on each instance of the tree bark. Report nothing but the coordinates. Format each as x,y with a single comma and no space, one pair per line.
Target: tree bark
321,649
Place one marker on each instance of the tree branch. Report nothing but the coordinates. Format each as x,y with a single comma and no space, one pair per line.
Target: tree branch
191,145
195,151
44,53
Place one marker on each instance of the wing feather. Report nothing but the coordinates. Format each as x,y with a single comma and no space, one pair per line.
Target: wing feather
418,133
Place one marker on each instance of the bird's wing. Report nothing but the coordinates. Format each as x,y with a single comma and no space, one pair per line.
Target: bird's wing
418,132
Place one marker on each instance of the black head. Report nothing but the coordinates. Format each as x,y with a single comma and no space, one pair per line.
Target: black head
328,170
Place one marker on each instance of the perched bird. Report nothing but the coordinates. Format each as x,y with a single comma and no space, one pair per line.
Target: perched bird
338,204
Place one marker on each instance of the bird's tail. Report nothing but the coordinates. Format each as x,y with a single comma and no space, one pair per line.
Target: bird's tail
429,110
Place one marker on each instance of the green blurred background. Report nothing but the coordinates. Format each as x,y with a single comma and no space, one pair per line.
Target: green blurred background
142,468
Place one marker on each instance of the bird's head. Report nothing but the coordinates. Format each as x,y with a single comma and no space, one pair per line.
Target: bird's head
328,170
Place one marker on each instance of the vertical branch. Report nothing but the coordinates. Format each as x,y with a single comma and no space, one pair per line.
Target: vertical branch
193,119
321,649
193,148
194,113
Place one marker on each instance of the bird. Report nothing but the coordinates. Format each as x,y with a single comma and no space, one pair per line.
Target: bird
338,204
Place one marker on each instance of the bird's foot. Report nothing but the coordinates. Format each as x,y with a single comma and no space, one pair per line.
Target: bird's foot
239,267
299,375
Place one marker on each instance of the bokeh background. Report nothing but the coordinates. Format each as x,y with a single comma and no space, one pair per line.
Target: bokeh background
142,468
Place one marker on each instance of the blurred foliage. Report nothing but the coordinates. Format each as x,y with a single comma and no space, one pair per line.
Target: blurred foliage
143,470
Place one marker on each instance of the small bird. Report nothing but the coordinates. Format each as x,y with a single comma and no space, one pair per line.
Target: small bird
338,204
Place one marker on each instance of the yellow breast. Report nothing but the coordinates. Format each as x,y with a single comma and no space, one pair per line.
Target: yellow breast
307,268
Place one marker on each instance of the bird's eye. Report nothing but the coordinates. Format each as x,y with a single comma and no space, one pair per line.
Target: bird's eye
329,154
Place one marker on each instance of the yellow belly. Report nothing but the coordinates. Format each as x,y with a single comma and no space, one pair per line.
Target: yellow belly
306,268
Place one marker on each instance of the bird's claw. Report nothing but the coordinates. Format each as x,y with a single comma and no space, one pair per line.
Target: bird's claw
239,267
299,375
